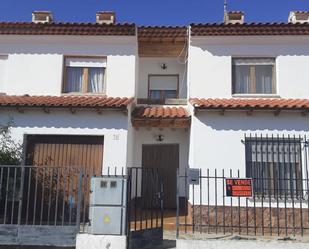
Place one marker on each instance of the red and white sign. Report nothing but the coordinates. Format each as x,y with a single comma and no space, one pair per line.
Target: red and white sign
239,187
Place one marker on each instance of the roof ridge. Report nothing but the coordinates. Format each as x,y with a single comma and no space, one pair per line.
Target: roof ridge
67,23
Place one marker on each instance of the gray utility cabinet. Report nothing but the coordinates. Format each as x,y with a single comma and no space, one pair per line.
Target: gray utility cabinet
107,211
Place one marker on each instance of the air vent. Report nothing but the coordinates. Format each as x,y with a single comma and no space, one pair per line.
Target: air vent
105,17
299,17
233,17
42,17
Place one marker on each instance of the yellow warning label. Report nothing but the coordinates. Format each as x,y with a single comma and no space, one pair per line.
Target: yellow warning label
106,219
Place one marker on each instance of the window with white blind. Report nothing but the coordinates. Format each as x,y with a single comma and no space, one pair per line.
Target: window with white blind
163,87
254,76
84,75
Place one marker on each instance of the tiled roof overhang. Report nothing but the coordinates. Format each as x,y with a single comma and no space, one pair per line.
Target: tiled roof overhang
249,29
174,117
91,29
76,102
152,33
276,104
162,33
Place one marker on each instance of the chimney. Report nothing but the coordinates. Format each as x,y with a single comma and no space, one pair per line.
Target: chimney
299,17
42,17
105,17
233,17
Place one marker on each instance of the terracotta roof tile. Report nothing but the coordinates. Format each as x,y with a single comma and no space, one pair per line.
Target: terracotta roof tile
173,117
152,32
29,28
301,12
160,112
248,29
259,103
64,101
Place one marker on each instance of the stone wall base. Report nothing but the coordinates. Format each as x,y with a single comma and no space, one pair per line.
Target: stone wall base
250,220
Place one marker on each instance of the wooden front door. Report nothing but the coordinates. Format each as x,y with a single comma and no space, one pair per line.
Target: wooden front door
84,152
165,158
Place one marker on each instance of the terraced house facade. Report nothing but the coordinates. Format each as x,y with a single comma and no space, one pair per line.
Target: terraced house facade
228,98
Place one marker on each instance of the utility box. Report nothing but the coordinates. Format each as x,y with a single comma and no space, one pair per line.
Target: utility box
107,210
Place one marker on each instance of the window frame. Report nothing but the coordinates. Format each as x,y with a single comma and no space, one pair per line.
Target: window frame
162,75
85,81
253,78
273,180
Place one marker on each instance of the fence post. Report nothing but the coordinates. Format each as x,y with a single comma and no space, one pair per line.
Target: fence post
22,177
162,201
128,206
79,201
177,204
128,202
21,194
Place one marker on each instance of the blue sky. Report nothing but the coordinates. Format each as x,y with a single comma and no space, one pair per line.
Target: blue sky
152,12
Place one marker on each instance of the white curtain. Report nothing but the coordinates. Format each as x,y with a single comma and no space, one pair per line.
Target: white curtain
96,79
263,68
264,75
242,79
74,79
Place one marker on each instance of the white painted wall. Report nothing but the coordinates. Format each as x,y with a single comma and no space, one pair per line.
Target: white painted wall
216,141
210,63
153,66
112,125
3,71
35,63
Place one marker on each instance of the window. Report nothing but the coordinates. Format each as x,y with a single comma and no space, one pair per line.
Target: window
163,87
274,164
254,76
84,75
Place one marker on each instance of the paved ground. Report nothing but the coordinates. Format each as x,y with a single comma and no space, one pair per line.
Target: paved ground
167,244
34,247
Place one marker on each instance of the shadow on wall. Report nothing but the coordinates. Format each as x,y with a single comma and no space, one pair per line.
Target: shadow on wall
264,48
239,121
65,119
69,46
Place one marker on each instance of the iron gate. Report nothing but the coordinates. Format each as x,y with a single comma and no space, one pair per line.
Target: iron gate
40,205
145,207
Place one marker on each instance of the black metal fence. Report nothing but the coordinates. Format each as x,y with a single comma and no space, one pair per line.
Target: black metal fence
278,167
45,205
59,196
40,195
46,195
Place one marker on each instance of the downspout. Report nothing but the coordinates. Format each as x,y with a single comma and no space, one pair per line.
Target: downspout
189,106
188,60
